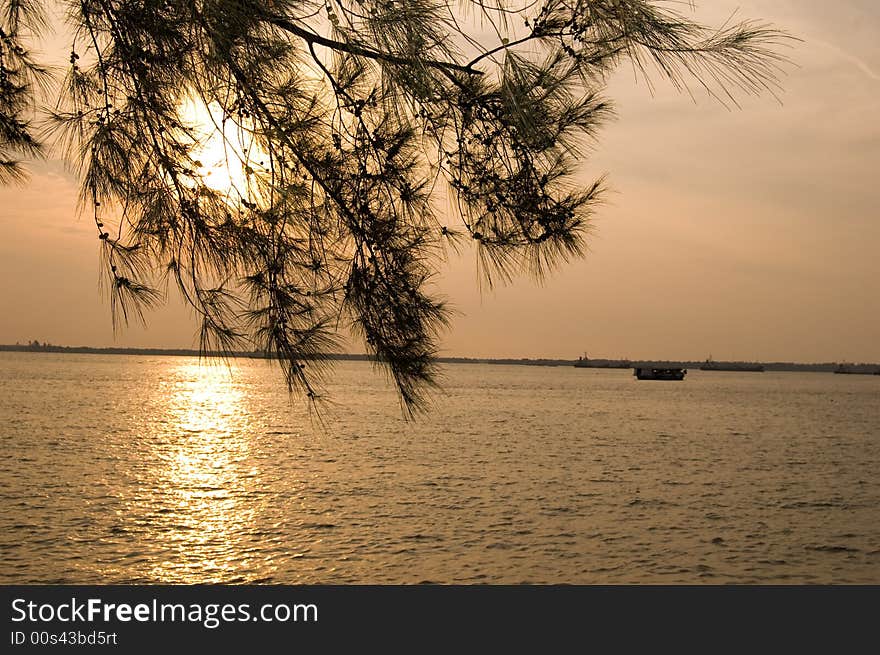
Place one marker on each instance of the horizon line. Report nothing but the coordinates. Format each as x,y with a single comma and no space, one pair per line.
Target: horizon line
261,354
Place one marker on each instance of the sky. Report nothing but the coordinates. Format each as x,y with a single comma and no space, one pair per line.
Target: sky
741,234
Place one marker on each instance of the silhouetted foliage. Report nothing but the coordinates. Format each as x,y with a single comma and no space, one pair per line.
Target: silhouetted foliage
351,122
19,74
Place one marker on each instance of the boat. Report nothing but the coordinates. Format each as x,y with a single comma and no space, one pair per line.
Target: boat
854,369
659,373
586,362
710,365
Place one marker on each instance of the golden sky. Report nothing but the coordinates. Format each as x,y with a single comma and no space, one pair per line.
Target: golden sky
744,234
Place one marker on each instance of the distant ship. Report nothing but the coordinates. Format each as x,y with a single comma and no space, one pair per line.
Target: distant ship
659,373
844,370
586,362
745,368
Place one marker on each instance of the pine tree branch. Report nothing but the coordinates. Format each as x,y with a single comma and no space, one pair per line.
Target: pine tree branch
312,38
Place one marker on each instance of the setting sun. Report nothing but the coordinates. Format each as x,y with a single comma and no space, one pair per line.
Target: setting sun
227,156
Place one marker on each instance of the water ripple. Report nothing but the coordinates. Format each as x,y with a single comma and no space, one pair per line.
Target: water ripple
143,470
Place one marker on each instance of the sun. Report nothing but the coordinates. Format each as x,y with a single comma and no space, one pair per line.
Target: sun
228,159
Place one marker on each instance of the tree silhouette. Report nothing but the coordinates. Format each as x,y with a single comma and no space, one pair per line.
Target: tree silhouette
349,123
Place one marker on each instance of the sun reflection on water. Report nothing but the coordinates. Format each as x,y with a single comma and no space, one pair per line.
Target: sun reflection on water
203,508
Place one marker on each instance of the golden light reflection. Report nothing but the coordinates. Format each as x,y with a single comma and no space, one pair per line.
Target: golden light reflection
204,505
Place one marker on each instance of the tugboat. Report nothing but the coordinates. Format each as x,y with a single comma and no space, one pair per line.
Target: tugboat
659,373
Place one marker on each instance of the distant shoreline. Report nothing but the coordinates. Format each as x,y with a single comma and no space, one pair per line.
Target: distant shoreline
824,367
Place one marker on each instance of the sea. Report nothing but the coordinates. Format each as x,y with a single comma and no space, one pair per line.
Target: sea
144,469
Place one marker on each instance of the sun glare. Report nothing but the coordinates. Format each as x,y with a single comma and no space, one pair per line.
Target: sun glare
227,156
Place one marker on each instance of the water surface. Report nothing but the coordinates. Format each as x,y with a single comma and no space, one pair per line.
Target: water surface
127,469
